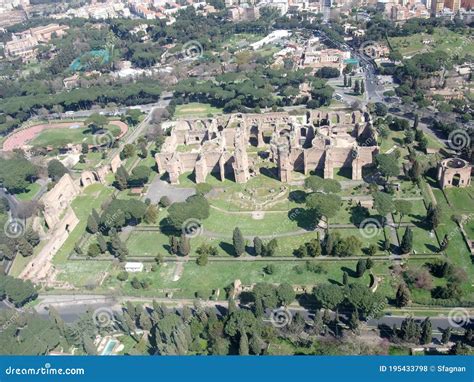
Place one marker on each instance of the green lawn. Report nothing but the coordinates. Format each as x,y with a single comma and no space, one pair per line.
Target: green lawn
461,199
83,273
272,223
378,239
143,243
92,197
219,275
93,160
418,213
196,109
423,241
58,137
28,195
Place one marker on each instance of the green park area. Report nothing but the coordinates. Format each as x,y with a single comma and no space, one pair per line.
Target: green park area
221,275
30,193
76,133
442,39
195,109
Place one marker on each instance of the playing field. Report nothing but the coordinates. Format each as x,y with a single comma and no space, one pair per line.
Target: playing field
62,133
196,110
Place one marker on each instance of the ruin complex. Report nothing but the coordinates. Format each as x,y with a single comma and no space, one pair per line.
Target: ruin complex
315,141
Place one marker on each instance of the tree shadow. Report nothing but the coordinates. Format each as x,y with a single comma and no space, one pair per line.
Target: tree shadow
432,248
166,228
305,218
385,331
307,301
227,248
350,272
297,196
335,282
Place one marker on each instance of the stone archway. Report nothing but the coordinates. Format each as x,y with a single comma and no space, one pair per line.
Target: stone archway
456,180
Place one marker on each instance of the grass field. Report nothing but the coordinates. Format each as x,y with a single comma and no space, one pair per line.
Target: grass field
92,197
220,275
58,137
442,39
423,241
195,110
28,195
272,223
93,160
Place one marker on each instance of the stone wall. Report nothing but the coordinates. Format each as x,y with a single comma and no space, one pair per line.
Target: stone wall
58,199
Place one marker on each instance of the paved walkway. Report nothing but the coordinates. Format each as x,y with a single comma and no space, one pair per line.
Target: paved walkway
393,231
159,188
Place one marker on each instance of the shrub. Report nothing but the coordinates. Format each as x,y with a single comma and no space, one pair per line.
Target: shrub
203,188
122,276
165,202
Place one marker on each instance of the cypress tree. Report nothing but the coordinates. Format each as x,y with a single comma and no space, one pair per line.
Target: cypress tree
426,331
357,87
402,297
184,245
238,241
174,245
407,241
345,278
257,246
243,344
328,244
354,321
92,224
102,243
361,267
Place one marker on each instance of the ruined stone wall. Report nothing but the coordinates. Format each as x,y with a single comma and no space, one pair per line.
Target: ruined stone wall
58,199
41,267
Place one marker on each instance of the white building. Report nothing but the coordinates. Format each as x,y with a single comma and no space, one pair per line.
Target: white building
132,267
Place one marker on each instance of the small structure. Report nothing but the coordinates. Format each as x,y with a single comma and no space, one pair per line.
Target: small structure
134,267
454,172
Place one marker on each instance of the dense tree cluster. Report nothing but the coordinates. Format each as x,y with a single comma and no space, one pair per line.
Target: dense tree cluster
17,291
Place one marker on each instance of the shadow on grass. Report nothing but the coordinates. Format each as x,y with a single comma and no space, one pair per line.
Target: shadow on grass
227,248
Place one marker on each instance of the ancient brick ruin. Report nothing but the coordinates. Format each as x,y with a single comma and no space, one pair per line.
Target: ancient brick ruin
454,172
313,141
